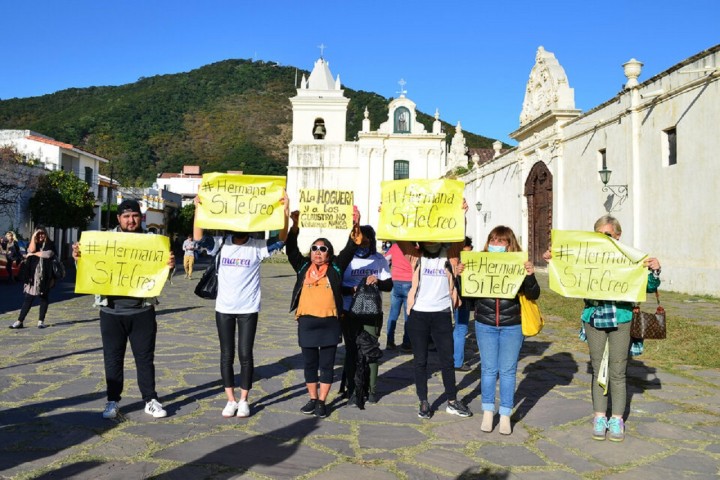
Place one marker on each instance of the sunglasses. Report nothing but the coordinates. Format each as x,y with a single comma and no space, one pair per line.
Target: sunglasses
322,248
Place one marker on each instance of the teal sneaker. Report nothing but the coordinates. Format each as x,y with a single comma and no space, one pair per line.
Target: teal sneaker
600,425
616,429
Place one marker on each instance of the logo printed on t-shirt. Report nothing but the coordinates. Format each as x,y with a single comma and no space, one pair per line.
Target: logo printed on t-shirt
434,272
362,272
236,262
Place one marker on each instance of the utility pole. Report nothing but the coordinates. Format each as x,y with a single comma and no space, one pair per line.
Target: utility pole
109,195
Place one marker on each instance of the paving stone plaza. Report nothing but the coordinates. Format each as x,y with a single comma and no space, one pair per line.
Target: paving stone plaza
52,395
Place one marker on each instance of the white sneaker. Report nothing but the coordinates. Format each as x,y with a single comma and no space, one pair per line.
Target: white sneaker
111,410
230,409
243,409
155,408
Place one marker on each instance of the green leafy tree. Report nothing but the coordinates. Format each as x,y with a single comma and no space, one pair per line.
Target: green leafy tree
62,200
182,222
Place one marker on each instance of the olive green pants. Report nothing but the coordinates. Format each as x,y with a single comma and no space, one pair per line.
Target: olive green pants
618,350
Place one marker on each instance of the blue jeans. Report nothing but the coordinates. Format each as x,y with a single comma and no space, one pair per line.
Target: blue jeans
462,317
398,301
499,351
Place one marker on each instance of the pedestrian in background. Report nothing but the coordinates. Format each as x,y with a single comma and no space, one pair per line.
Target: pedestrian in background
189,247
37,276
462,318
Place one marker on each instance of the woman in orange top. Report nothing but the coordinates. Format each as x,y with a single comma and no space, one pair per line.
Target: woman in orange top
317,299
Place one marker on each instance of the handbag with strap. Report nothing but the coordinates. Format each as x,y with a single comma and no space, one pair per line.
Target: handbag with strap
58,269
649,325
207,287
366,305
530,316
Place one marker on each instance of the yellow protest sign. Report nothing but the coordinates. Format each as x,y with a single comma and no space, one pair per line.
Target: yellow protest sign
595,266
124,264
492,275
240,203
422,210
326,209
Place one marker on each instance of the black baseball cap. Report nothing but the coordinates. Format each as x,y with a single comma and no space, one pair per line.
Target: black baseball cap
128,205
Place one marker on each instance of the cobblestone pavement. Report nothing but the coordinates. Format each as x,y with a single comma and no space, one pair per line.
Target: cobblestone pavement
52,394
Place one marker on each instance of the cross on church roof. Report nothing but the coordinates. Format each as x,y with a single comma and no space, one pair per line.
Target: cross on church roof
402,84
322,49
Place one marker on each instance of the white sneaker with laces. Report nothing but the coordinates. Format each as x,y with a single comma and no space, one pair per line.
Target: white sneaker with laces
111,410
230,409
243,409
155,408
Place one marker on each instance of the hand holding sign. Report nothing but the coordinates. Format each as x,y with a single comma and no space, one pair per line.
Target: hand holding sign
125,264
422,210
241,203
493,275
593,265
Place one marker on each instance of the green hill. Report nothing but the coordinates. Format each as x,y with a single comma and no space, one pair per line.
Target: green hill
230,115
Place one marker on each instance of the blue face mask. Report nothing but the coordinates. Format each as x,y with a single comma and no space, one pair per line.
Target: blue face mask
497,248
362,252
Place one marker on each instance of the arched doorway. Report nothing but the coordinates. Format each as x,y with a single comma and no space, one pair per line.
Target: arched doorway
538,191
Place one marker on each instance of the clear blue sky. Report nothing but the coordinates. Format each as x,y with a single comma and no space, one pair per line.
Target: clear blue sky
470,59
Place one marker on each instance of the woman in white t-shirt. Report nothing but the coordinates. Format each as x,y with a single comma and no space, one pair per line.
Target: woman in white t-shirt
431,300
237,307
371,266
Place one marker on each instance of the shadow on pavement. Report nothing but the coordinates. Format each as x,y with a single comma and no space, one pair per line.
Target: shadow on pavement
541,376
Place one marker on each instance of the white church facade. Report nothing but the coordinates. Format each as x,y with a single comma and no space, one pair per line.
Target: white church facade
657,141
321,158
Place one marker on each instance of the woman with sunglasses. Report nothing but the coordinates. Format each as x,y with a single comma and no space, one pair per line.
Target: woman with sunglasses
37,276
318,303
608,322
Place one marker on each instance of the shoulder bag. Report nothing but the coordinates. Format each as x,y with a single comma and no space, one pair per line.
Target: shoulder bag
530,316
649,325
207,287
366,305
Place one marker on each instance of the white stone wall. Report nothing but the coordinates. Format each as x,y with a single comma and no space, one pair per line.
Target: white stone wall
670,211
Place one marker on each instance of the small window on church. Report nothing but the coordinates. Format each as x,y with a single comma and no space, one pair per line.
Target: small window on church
319,129
402,120
402,170
671,146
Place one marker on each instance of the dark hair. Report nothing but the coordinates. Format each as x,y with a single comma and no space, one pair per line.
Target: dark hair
468,242
326,242
369,233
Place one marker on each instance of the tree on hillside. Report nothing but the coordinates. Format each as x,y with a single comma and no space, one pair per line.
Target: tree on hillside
62,200
17,176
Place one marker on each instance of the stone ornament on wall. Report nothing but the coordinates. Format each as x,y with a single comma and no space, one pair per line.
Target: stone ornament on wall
547,88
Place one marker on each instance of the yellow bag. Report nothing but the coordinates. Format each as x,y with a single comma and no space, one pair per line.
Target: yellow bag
532,319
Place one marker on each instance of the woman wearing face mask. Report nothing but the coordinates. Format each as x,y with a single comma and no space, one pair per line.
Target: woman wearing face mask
431,300
499,336
367,264
37,276
608,322
317,301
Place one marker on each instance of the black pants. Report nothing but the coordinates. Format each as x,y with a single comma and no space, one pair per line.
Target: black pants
141,330
319,358
350,330
438,325
246,324
29,300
